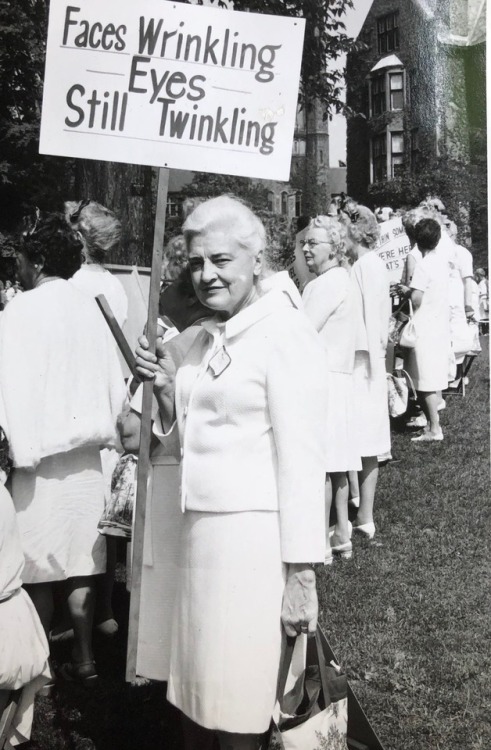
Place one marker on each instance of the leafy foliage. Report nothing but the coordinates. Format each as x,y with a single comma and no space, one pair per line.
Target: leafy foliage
26,178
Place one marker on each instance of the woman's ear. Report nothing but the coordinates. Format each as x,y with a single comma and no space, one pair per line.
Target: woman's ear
258,263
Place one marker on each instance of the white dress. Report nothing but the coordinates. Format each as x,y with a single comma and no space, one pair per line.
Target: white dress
328,303
252,432
61,390
372,311
59,505
428,362
94,279
24,649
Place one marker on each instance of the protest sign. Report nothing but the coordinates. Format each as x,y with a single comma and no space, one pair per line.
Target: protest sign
172,85
392,248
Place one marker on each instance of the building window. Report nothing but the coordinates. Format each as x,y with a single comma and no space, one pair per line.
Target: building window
397,154
388,33
396,89
298,203
378,95
321,156
300,120
271,201
299,147
379,158
172,207
284,203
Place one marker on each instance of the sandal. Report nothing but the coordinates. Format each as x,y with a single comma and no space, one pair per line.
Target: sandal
83,672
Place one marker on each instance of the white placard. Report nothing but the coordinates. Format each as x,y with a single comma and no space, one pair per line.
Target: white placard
393,247
172,85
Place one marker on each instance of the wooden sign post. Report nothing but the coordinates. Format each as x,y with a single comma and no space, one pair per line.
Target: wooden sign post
146,429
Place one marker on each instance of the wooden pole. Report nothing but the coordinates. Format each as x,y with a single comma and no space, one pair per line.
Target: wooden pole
146,430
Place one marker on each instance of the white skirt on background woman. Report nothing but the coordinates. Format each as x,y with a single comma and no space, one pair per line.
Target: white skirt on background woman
371,408
226,634
58,507
342,445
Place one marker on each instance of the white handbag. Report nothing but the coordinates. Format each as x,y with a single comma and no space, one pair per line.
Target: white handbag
408,335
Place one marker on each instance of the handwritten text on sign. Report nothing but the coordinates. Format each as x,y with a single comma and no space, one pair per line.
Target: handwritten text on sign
393,247
174,85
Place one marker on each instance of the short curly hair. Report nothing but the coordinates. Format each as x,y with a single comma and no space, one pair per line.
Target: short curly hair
334,229
98,225
363,227
54,244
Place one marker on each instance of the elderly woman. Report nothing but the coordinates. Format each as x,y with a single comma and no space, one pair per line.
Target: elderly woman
372,311
328,302
100,232
427,363
250,405
61,389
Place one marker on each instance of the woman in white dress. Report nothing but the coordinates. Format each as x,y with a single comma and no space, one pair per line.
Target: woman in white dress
372,311
427,363
328,302
99,230
61,390
250,405
24,649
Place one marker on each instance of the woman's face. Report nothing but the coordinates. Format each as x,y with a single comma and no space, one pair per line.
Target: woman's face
316,249
223,273
25,271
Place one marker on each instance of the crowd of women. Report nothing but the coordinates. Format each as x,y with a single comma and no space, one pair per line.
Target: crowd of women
273,403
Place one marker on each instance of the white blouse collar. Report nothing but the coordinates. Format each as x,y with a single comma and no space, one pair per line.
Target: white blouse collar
249,316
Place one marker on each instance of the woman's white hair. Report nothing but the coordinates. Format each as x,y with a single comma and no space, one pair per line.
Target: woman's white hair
335,232
363,227
229,215
99,227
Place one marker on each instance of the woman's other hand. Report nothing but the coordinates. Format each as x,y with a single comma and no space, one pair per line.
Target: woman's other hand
159,367
300,605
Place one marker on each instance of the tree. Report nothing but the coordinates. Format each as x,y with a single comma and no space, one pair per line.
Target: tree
26,178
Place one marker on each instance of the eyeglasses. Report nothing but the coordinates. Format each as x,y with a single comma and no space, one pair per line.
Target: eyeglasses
76,214
313,243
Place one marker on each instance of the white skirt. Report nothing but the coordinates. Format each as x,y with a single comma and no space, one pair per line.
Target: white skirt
226,634
342,445
371,408
24,656
58,507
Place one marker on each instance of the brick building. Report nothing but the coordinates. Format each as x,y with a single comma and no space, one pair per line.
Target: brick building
312,181
418,88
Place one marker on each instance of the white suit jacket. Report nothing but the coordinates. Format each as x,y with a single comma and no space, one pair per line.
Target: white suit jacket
251,413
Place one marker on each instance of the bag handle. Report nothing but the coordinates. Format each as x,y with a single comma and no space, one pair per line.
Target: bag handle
287,660
398,372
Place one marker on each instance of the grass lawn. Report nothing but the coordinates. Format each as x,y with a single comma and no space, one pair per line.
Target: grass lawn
408,616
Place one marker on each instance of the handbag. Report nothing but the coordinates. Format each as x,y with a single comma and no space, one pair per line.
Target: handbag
399,388
117,519
314,713
397,321
408,335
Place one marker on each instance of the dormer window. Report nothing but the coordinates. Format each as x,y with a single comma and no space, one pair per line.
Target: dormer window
388,33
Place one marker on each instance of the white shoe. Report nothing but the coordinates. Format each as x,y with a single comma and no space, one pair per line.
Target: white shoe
365,529
417,422
428,437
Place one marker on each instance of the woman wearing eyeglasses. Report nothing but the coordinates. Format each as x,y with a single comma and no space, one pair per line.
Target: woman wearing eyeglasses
61,390
328,303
